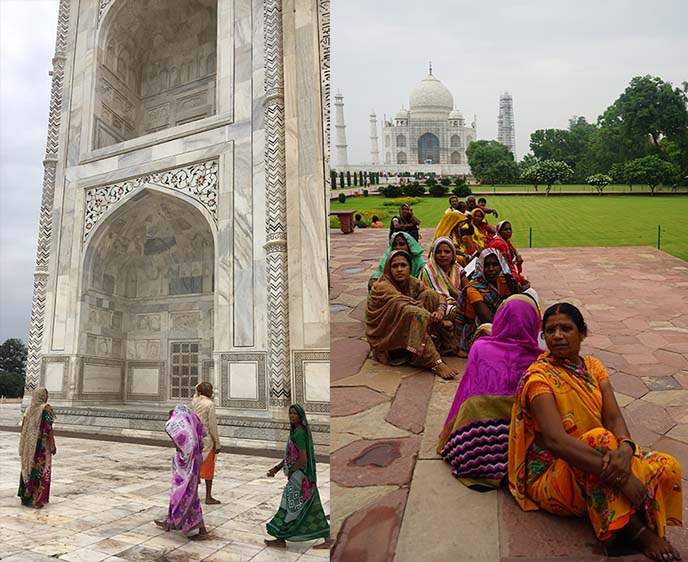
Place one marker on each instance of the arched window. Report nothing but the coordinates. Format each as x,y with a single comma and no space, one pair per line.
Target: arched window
387,141
428,149
149,79
388,158
401,141
401,158
456,157
455,141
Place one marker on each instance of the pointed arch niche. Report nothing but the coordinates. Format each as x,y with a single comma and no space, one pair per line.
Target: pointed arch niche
146,322
156,68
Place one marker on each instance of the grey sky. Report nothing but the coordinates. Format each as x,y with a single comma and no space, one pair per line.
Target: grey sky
27,41
556,58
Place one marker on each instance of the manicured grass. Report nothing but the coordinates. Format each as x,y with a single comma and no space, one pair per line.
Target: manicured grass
564,188
617,220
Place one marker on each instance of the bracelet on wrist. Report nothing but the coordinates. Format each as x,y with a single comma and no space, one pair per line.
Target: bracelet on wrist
632,444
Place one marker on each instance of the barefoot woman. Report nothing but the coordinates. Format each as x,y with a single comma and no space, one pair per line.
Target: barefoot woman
570,452
300,516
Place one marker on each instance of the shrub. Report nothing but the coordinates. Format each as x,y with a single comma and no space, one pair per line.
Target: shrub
391,191
438,190
365,193
445,181
341,198
458,181
414,190
430,182
462,191
401,201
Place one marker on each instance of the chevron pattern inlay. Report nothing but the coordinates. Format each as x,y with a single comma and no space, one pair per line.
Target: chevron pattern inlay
45,225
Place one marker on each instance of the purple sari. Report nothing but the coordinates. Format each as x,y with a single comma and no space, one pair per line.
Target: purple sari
474,440
186,431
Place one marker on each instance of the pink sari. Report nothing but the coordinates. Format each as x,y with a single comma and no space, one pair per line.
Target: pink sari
186,431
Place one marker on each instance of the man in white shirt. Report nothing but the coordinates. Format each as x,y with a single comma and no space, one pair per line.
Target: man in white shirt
204,407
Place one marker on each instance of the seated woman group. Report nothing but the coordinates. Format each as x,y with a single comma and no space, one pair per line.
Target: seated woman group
569,450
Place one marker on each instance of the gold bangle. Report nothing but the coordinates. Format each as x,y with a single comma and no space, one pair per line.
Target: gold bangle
631,443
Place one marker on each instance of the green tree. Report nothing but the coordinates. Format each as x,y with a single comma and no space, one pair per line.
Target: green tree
355,179
548,172
599,182
333,179
341,179
348,178
652,171
530,175
13,354
483,156
551,144
505,171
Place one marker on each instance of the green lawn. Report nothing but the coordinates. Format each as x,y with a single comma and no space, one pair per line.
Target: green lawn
617,220
563,188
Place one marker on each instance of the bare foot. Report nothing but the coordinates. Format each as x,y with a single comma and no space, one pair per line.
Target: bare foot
655,548
324,545
443,371
200,536
278,543
212,501
162,525
448,324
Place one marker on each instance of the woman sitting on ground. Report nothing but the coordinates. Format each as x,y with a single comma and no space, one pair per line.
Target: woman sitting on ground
403,318
483,233
405,242
475,437
570,451
444,275
184,513
300,516
502,242
376,222
36,450
450,227
480,299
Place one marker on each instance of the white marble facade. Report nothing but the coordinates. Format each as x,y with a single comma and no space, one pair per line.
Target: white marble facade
183,222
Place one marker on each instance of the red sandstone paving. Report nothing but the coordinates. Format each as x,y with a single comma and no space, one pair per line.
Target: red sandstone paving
347,357
350,400
410,404
400,454
371,534
347,330
627,320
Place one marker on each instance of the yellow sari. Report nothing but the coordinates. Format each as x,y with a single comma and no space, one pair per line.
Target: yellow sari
538,479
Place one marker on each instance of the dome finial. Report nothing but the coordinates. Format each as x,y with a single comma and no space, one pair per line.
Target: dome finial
430,67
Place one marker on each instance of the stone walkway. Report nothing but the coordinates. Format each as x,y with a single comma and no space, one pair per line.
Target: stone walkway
104,497
395,499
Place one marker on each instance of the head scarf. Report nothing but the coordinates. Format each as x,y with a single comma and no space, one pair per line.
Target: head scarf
387,272
500,224
436,278
416,251
310,450
480,266
478,210
30,429
448,223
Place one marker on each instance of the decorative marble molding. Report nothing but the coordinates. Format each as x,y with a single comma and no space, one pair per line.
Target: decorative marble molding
160,366
198,181
65,374
33,363
276,207
259,357
324,38
104,4
300,359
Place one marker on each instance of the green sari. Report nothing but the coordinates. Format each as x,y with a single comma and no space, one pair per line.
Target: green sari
300,516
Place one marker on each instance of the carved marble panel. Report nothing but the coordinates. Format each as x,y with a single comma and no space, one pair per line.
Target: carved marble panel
55,376
250,371
311,385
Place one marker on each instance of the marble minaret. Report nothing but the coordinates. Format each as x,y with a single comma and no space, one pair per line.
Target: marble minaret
374,150
182,232
505,123
341,157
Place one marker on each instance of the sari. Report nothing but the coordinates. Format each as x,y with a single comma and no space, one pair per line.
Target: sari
475,437
506,248
36,444
479,290
481,233
539,480
447,284
186,431
300,516
416,253
398,326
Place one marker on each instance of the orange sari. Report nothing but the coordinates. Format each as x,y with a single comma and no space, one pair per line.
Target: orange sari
538,479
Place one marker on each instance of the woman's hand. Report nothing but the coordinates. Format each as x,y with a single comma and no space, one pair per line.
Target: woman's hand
437,316
634,490
271,473
519,259
53,450
616,465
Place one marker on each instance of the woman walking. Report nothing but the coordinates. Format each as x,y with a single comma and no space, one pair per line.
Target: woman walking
300,516
36,449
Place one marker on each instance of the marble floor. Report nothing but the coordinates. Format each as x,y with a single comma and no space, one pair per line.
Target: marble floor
395,499
104,497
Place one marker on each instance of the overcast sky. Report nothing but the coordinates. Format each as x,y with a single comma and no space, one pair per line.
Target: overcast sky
556,58
27,43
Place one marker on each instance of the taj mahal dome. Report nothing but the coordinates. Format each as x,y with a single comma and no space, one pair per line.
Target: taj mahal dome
430,136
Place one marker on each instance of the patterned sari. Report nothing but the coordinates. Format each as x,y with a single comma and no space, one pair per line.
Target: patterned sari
36,444
447,284
538,479
186,431
475,437
300,516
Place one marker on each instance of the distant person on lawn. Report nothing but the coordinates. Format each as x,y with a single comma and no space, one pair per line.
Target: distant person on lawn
482,203
377,223
358,223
